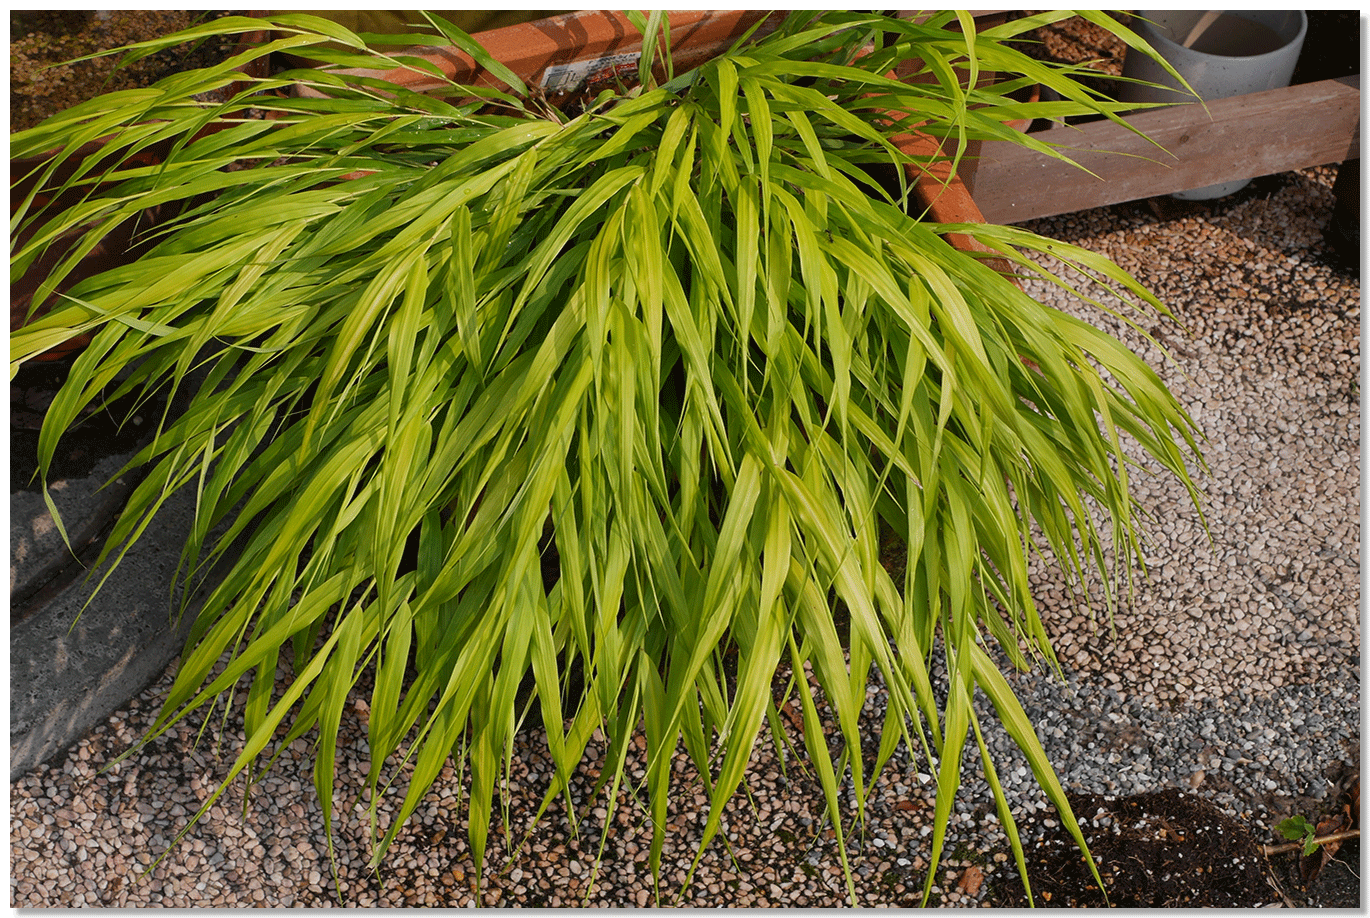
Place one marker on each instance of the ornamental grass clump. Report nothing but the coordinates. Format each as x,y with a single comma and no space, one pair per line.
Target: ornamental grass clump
597,418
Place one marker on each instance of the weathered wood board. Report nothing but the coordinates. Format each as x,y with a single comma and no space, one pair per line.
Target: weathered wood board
1246,136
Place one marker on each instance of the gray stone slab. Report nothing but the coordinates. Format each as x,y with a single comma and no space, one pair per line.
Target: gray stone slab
70,669
87,505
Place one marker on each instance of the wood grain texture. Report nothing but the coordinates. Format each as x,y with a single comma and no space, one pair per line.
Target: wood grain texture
1241,137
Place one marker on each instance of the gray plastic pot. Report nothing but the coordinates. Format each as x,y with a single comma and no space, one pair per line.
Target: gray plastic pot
1221,53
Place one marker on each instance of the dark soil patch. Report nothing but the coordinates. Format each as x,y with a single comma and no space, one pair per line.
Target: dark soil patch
1329,877
1167,849
1337,885
1172,849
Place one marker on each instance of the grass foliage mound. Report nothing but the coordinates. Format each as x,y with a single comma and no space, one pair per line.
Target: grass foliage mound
639,388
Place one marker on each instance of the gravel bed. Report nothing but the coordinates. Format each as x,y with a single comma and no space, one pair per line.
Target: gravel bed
43,41
1233,672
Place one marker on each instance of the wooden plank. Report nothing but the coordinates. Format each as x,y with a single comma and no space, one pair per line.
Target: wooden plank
1247,136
